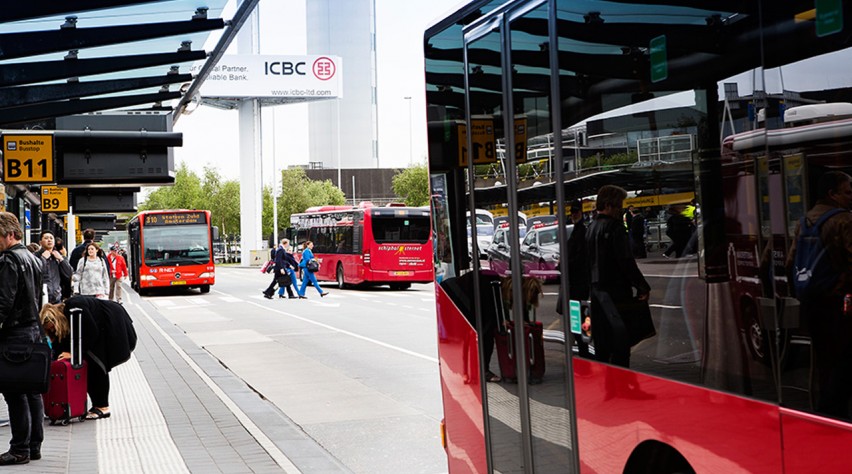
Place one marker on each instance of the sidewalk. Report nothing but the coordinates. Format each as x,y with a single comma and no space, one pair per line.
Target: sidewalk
176,409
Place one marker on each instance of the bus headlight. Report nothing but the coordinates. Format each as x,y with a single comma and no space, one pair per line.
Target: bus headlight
207,275
147,277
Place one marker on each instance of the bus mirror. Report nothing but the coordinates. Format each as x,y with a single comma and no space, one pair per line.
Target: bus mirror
215,233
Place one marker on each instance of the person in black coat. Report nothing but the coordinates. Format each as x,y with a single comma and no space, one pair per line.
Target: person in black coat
637,234
107,336
286,264
613,277
20,294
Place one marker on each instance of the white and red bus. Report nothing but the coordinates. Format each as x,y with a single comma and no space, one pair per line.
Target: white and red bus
171,248
730,382
368,244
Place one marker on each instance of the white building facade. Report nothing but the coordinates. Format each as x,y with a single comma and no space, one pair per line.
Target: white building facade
344,133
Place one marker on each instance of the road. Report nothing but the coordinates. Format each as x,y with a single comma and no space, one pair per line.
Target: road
356,370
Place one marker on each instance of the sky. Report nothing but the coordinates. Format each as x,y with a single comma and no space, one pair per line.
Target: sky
210,135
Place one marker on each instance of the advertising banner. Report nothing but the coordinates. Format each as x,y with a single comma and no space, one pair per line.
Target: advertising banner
274,76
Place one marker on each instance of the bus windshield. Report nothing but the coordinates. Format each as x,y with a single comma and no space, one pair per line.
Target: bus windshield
172,245
392,229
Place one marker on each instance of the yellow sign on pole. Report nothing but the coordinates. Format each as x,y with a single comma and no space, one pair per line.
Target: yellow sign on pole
482,140
28,158
54,199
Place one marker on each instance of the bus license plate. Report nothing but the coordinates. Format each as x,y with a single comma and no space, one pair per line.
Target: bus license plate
402,274
179,282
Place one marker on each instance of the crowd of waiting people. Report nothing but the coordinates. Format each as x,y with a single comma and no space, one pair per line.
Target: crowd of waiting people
39,286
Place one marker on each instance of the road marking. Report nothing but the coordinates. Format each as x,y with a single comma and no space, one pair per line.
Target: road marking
267,444
231,299
347,333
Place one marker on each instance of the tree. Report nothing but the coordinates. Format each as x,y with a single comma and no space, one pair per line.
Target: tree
221,198
298,192
412,184
186,193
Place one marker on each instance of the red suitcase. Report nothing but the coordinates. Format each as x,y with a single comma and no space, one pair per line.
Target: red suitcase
66,397
534,349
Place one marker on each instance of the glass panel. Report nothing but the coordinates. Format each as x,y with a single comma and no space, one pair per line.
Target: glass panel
487,140
638,114
533,153
174,245
807,94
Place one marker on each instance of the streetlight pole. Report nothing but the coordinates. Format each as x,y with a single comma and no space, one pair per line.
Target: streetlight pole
274,188
410,141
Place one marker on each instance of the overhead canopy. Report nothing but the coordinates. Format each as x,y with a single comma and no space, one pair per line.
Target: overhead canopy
62,58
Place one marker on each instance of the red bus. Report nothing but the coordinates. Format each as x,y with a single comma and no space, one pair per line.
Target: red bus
368,244
171,248
729,383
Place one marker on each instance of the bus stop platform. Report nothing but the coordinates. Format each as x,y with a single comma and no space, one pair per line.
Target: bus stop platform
176,409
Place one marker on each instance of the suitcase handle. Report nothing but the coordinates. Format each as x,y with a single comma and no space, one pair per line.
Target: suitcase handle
511,343
532,349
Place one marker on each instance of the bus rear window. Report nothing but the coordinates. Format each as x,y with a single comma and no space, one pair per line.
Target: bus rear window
393,229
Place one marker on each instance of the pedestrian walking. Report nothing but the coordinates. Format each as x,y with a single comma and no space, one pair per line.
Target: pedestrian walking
20,295
92,273
309,266
287,264
117,272
614,275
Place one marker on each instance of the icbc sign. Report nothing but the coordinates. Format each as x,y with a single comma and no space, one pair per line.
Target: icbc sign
324,68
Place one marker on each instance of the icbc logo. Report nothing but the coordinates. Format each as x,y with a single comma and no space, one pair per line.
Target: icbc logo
324,68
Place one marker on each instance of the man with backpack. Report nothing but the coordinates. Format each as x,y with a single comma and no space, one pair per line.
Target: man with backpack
820,264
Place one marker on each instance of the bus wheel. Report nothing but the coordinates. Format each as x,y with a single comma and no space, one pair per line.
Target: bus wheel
205,288
340,279
400,286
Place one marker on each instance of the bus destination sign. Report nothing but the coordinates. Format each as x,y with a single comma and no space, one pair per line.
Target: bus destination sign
183,218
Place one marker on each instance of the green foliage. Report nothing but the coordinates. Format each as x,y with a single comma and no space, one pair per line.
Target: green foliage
412,184
186,193
619,159
593,161
298,192
221,198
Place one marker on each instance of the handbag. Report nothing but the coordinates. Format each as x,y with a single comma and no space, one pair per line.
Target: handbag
24,367
312,265
284,280
636,315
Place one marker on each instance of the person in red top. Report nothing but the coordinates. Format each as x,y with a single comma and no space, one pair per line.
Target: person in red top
117,271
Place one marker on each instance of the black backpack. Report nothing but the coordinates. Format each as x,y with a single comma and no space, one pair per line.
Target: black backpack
813,274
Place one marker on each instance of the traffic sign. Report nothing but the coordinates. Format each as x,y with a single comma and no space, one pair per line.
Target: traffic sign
54,199
482,140
28,158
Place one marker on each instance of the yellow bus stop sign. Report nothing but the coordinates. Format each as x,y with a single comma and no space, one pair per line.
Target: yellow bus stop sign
28,158
54,199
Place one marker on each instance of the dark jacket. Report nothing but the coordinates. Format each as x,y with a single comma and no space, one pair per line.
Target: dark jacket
578,262
284,260
57,276
108,336
612,266
20,287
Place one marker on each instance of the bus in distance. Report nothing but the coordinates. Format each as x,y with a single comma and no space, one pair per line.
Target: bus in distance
171,248
368,244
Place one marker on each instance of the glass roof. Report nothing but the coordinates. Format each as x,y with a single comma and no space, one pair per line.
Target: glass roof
52,77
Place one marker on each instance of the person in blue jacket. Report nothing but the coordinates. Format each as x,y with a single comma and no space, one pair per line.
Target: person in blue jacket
307,275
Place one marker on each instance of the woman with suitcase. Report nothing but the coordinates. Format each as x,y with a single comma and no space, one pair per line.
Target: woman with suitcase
108,339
